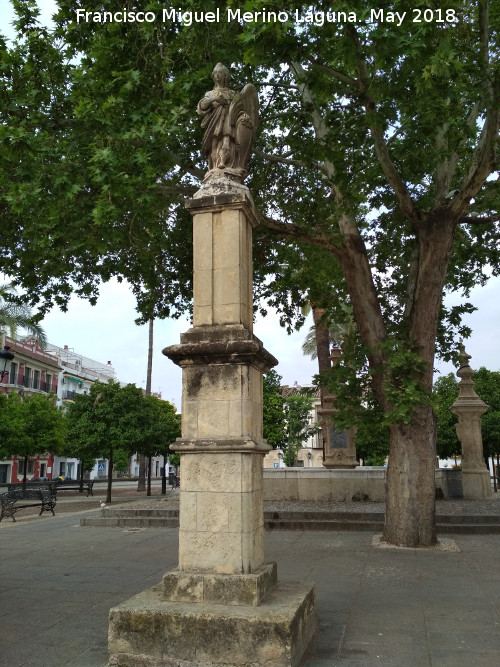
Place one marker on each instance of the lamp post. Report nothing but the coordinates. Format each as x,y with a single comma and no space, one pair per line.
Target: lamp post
7,355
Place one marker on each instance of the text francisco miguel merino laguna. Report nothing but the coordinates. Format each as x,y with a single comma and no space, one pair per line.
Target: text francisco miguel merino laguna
187,18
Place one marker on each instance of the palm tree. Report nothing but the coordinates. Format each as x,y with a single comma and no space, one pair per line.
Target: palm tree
15,316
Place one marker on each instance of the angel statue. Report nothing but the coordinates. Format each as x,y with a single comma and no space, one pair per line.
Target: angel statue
230,120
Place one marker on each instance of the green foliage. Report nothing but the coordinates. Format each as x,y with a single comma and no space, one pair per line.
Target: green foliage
121,460
159,427
445,393
112,418
175,460
273,418
372,442
286,419
297,411
487,386
15,315
31,425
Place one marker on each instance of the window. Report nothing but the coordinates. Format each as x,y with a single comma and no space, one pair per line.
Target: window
27,376
13,373
36,379
48,382
30,469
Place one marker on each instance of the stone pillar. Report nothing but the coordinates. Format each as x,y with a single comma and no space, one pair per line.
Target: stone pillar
221,512
209,609
340,447
469,407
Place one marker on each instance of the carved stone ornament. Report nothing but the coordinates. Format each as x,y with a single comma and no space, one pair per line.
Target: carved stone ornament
230,122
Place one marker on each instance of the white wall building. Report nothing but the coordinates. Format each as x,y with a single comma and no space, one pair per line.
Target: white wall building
78,373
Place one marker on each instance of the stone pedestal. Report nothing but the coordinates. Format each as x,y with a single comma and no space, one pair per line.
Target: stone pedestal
340,447
469,408
222,605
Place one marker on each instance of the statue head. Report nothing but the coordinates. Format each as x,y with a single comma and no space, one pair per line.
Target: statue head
220,75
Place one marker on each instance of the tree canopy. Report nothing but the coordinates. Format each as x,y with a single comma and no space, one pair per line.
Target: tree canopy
30,425
113,418
375,170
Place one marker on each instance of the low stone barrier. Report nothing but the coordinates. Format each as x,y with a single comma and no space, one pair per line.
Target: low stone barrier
321,485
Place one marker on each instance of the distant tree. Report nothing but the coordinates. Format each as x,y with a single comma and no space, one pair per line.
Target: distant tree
156,429
121,459
35,425
297,410
445,393
446,389
372,443
273,420
6,430
487,386
105,420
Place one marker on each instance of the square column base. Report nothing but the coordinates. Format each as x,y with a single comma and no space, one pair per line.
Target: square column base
476,484
148,631
232,589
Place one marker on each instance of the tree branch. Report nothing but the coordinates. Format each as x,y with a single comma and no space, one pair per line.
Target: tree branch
292,231
391,174
485,156
479,220
278,158
352,83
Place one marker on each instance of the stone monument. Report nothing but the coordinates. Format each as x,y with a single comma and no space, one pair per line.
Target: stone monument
222,605
340,447
469,407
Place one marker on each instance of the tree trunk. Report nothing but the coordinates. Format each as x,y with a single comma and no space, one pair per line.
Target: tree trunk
25,469
141,482
110,476
410,489
322,336
149,476
149,372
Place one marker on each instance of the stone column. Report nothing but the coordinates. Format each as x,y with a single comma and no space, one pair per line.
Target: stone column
209,609
340,447
469,407
222,449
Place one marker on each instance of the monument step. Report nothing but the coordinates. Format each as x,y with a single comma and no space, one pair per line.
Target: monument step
130,522
282,520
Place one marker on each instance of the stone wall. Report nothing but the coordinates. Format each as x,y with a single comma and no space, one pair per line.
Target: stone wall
320,485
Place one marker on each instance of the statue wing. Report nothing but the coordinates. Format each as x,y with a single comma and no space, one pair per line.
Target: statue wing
246,102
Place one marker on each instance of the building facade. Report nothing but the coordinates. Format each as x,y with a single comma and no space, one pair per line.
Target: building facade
31,371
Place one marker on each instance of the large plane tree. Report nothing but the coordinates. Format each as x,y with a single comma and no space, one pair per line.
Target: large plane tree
375,166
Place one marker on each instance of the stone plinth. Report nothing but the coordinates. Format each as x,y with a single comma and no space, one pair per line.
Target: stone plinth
147,631
340,446
469,408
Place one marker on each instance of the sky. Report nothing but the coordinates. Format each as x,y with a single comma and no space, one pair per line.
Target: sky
107,332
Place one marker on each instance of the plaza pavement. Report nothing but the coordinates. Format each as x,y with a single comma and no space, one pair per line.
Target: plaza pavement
407,608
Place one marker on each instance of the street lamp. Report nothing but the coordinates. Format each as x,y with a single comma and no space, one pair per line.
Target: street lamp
8,356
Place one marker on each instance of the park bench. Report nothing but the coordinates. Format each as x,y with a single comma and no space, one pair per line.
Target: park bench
74,485
22,498
173,480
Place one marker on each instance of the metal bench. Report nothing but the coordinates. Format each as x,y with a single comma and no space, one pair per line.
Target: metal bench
173,480
19,499
75,485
